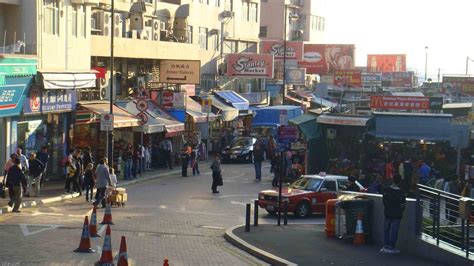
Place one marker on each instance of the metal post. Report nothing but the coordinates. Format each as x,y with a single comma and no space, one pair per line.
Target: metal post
438,217
111,87
247,217
284,61
285,214
4,40
142,164
463,235
280,188
419,212
468,239
458,159
255,213
467,65
426,63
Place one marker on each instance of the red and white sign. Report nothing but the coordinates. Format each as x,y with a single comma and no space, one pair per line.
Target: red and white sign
35,99
348,78
386,63
250,65
107,122
294,50
326,58
399,102
142,105
142,117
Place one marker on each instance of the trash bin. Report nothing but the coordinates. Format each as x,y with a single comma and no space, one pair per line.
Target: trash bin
346,216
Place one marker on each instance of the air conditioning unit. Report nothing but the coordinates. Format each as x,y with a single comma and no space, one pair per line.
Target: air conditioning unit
118,25
331,133
145,34
163,30
103,22
155,30
104,87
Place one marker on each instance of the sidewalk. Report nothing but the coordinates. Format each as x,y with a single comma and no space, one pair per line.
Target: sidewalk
308,245
53,191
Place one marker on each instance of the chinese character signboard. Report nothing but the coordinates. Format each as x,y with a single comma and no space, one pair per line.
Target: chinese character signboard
294,50
386,63
371,79
44,101
348,78
459,84
398,79
326,58
250,65
180,71
399,102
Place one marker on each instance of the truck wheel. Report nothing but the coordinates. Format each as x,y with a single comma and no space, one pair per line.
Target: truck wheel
302,210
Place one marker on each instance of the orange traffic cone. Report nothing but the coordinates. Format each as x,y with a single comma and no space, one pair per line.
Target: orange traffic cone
85,245
107,215
123,257
93,224
106,257
165,263
359,238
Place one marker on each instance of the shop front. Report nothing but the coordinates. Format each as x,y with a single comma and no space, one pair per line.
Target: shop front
311,135
225,125
16,76
244,120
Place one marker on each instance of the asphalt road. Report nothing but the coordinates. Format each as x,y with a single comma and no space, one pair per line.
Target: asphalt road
171,217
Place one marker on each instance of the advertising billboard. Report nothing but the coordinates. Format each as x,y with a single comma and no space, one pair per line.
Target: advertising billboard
386,63
397,79
399,102
372,79
295,76
250,65
348,78
459,84
294,50
325,58
180,71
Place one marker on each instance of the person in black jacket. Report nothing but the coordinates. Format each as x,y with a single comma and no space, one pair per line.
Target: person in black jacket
257,161
16,181
276,168
36,171
351,185
394,204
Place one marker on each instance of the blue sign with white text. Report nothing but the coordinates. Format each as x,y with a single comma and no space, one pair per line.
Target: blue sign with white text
12,95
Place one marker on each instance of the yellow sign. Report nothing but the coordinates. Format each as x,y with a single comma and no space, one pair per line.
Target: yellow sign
206,105
180,71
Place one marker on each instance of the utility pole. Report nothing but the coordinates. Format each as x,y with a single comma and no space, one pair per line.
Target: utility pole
110,150
426,63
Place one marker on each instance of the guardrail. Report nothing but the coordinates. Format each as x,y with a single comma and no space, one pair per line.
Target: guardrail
446,218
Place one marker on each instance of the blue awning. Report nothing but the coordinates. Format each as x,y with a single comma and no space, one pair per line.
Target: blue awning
233,98
409,126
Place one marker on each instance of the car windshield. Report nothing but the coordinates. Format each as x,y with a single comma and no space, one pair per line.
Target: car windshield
307,183
241,142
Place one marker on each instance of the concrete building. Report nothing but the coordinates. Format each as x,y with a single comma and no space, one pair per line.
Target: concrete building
309,27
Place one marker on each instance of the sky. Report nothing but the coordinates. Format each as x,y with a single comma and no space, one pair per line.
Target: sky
406,27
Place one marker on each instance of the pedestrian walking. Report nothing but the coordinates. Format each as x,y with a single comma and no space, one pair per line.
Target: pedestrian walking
16,182
216,174
79,173
257,161
127,161
23,160
43,156
89,181
35,174
276,169
136,162
185,156
70,173
102,179
7,167
394,205
167,146
424,173
195,161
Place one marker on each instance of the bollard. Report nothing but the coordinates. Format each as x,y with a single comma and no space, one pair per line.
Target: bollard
255,213
247,217
285,214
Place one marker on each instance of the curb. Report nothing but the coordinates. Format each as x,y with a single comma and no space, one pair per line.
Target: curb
75,195
259,253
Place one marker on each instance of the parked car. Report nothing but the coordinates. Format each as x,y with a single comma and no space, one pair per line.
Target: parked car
306,195
240,149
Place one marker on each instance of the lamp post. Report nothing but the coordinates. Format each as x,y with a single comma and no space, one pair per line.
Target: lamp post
468,59
110,141
426,63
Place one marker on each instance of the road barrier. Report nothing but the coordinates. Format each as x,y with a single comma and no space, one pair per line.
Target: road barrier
107,215
122,256
85,244
93,223
255,213
106,257
247,217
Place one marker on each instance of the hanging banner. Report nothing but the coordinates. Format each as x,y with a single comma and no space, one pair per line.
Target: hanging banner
250,65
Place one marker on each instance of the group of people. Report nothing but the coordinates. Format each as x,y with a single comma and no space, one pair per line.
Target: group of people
21,172
189,159
136,160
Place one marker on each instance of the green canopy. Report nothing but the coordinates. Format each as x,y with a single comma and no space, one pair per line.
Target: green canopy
307,125
17,67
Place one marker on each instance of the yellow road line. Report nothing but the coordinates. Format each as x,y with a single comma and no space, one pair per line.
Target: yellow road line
4,217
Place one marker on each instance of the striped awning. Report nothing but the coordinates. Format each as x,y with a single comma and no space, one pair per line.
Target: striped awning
91,112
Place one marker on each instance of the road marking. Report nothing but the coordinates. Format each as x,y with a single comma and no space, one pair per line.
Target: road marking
236,196
203,213
163,207
36,213
213,227
28,232
234,177
238,203
5,217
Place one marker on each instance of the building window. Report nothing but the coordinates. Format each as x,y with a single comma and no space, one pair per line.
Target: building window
253,12
217,2
51,17
263,32
73,27
323,23
189,34
245,11
83,22
203,38
215,42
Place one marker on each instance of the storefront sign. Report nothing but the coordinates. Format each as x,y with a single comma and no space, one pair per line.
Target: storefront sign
11,99
107,122
180,71
283,117
295,76
348,78
294,50
250,65
325,58
399,102
43,101
190,89
342,120
256,98
288,133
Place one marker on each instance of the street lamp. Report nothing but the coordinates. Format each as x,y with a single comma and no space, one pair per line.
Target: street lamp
110,134
468,59
426,63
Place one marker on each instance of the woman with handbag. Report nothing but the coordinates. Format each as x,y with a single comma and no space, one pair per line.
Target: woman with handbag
216,174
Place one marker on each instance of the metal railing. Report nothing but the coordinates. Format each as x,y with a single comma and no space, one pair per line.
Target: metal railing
439,218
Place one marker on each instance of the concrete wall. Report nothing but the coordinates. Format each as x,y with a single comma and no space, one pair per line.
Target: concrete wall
271,16
408,241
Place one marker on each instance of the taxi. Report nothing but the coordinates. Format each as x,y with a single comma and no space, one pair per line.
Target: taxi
306,195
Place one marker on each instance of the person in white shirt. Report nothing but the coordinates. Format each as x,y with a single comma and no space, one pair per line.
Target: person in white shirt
113,177
23,160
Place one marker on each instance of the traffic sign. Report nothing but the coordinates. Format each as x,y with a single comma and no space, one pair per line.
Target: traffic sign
143,118
142,105
107,122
